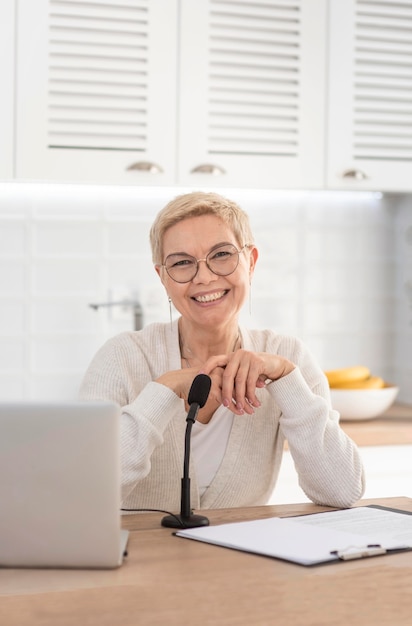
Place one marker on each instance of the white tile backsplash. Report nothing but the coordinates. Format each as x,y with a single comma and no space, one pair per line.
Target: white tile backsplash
328,243
282,312
60,353
12,354
375,318
334,349
73,276
331,316
127,239
331,282
66,239
52,387
12,316
130,271
13,277
335,269
273,280
14,387
280,244
62,315
12,239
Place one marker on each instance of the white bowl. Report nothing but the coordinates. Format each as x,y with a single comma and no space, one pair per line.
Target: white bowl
363,404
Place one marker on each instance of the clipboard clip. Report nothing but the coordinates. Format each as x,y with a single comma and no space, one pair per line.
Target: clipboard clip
357,552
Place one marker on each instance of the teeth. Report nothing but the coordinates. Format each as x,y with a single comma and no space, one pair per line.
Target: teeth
211,297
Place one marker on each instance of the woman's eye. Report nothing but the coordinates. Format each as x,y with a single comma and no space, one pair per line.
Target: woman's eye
222,254
183,263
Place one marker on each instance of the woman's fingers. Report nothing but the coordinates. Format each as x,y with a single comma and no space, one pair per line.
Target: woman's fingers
235,378
240,373
237,381
240,379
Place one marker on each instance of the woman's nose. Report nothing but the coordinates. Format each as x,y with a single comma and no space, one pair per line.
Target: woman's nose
204,274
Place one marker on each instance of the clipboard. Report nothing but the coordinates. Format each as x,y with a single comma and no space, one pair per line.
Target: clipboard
315,539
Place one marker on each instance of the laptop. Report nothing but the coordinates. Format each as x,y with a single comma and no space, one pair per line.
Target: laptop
60,485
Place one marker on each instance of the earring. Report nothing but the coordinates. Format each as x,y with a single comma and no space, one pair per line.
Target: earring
170,312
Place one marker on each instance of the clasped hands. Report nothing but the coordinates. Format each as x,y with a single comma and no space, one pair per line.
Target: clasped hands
236,376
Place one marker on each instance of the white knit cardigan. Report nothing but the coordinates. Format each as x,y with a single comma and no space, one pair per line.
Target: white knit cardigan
295,408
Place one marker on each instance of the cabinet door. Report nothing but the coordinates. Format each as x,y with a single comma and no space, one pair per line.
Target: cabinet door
252,91
97,90
370,96
7,13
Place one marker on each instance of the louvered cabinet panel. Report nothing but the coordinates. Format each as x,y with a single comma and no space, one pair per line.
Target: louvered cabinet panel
97,90
252,93
370,95
7,69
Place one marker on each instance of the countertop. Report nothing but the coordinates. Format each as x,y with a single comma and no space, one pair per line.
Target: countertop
394,427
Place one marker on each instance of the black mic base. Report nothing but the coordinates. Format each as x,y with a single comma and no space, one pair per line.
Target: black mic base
179,521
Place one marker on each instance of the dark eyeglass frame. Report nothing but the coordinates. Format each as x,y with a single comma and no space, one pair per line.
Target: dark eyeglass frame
206,259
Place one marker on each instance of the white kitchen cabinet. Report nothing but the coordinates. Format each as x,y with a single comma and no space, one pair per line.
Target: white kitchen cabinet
252,93
280,93
7,23
370,95
96,91
227,87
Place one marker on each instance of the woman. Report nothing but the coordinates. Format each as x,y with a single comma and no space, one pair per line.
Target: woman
265,387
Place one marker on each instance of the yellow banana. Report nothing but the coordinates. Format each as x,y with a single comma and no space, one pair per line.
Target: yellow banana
347,375
373,382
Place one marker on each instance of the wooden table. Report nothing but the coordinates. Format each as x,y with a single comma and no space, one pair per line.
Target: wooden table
168,581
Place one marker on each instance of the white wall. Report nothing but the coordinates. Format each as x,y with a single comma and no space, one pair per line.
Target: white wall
334,269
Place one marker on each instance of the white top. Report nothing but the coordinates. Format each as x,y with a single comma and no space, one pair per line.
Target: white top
208,446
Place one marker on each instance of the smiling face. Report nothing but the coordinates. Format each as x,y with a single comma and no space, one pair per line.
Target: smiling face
208,299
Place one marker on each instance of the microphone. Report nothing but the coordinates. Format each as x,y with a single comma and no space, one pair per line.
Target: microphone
198,395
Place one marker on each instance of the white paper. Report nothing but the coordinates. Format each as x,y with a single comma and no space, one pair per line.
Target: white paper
393,528
310,539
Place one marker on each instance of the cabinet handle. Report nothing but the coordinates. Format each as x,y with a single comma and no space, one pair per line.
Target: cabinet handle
354,174
145,166
208,168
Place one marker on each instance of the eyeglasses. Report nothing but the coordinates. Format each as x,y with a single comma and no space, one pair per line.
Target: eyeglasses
222,260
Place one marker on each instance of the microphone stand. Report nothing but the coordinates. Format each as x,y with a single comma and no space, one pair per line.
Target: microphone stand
186,519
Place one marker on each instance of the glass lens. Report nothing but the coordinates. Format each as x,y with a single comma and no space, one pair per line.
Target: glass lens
223,260
181,267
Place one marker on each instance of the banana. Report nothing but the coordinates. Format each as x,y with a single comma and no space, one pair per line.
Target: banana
347,375
373,382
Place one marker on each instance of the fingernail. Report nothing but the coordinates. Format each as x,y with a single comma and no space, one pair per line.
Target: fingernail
226,402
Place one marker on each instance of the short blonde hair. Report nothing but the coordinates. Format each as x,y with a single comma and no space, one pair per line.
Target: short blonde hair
195,204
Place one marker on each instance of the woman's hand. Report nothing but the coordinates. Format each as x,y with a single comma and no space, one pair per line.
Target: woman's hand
236,376
179,381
